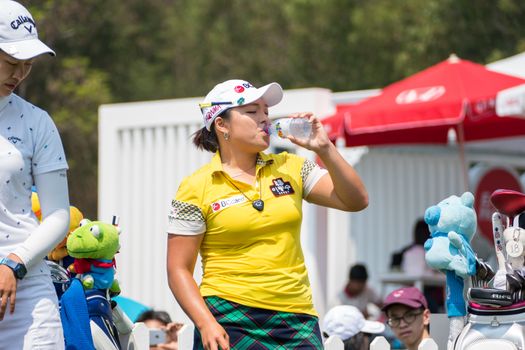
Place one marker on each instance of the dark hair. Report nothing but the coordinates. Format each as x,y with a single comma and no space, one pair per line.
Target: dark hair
207,140
420,235
161,316
421,232
358,273
357,342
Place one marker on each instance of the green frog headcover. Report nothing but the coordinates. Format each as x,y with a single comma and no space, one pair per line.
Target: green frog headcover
94,245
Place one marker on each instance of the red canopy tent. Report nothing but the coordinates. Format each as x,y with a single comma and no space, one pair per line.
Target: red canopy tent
423,108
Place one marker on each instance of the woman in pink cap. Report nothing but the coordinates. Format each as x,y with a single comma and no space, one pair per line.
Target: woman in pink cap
242,212
31,153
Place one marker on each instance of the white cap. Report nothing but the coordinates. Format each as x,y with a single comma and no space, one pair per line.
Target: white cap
18,34
234,93
345,321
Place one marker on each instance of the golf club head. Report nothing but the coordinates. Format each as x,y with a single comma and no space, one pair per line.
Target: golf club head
481,269
520,276
484,272
58,273
490,271
508,267
513,283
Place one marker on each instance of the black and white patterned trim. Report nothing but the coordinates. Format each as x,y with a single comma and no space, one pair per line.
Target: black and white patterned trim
185,211
307,168
311,173
263,162
185,219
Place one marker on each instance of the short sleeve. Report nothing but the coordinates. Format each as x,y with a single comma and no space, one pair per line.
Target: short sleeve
311,173
48,154
186,216
374,297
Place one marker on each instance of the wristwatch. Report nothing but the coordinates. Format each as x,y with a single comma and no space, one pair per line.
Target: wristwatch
18,269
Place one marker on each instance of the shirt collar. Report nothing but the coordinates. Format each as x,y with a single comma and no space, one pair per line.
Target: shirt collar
4,100
263,159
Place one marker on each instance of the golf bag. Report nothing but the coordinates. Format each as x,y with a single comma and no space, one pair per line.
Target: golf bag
496,316
493,328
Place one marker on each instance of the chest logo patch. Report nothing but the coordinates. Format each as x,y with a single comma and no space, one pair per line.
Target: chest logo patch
227,202
281,187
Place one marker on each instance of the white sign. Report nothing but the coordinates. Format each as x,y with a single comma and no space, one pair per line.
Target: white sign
511,102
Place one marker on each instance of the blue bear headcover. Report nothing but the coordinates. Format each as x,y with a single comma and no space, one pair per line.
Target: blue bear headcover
453,214
452,223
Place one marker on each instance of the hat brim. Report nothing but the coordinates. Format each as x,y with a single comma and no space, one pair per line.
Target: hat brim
271,94
26,49
414,304
373,327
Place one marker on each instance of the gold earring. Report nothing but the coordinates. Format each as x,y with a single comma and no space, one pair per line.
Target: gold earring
226,136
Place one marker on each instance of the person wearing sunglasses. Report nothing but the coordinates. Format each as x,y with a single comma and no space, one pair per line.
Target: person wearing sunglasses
408,316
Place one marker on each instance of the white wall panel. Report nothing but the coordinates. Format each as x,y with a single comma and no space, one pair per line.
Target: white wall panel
144,153
402,183
145,150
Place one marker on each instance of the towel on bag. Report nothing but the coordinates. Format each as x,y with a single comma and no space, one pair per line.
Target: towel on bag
75,318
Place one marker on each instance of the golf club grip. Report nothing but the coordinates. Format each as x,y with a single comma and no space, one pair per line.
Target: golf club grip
491,297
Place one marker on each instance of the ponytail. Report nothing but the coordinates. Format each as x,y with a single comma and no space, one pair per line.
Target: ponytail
207,140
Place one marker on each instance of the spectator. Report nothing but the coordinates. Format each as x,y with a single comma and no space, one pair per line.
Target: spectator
357,292
349,324
162,320
411,259
408,316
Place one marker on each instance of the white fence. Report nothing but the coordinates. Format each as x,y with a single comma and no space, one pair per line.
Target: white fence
380,343
439,332
185,342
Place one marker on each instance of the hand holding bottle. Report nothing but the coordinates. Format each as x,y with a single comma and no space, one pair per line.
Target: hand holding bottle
317,139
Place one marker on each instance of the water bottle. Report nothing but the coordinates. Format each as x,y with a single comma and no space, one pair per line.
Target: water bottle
299,128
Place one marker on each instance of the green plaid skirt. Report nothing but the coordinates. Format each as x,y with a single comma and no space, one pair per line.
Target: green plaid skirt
259,329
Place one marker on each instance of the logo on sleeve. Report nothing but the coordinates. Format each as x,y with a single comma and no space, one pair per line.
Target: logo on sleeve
281,187
227,202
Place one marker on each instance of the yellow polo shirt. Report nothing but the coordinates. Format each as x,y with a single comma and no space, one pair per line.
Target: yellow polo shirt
250,257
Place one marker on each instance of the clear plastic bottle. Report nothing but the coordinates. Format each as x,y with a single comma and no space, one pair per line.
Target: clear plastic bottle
299,128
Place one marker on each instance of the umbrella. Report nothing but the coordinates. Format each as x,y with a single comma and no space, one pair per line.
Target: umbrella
422,109
132,308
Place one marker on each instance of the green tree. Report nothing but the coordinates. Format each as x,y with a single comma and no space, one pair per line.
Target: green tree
118,51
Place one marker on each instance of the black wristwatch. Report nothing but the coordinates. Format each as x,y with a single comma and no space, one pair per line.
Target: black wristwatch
18,269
